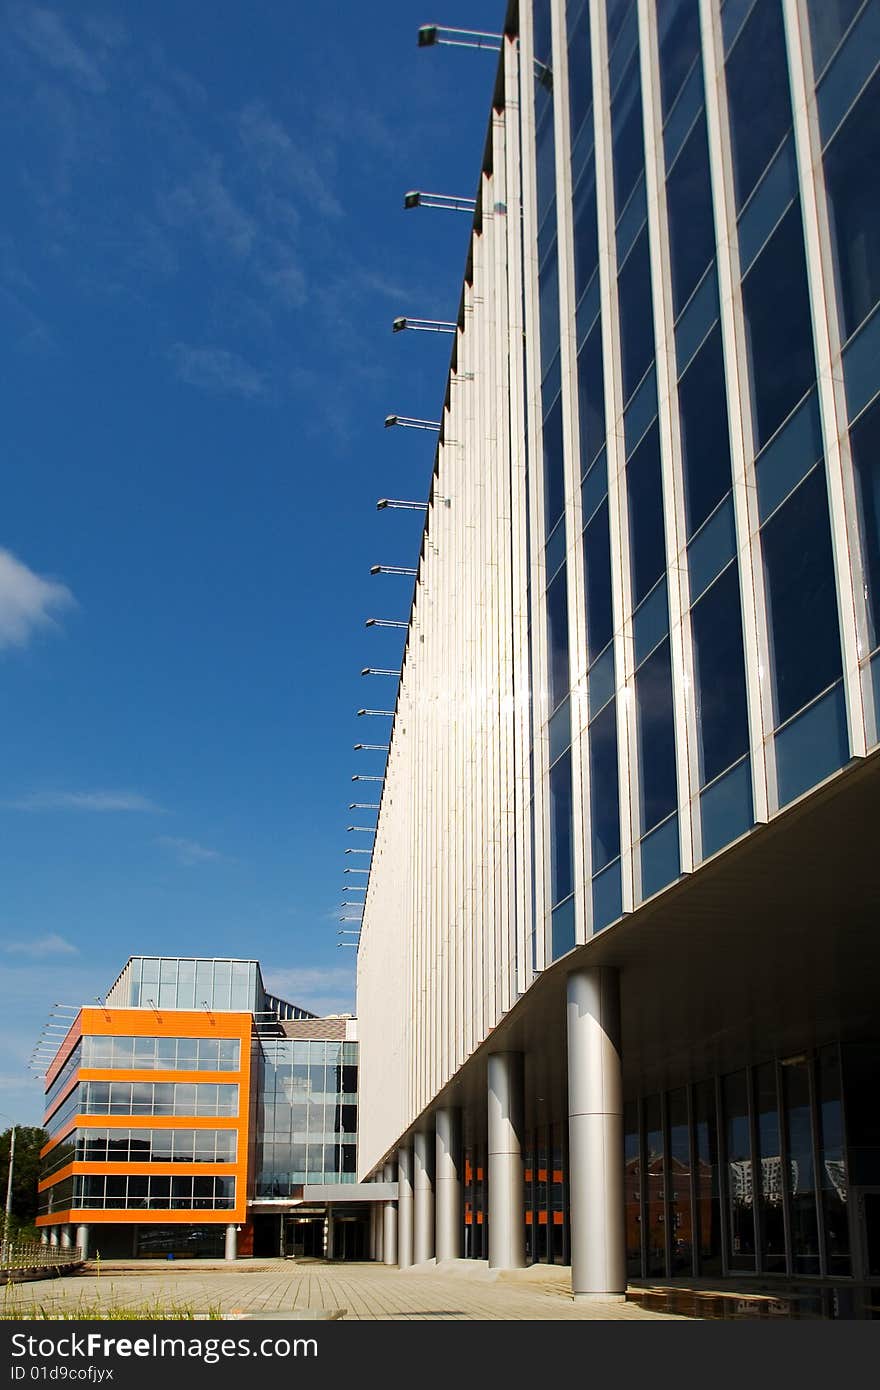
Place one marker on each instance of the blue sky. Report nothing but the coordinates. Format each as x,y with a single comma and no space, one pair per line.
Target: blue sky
202,247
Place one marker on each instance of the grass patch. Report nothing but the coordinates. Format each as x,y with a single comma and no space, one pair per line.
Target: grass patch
99,1310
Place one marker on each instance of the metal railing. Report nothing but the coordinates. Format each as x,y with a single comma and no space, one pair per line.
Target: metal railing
33,1255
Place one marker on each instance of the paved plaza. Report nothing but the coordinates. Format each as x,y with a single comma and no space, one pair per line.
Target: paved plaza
461,1290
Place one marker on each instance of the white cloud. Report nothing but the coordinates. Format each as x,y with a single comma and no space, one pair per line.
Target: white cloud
322,990
214,369
275,152
188,852
48,37
27,601
51,945
82,801
204,201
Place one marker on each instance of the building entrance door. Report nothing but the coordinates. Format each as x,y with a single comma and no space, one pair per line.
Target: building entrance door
304,1237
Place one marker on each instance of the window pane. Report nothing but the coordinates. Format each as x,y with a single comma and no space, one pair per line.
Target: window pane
656,738
708,1198
680,1183
562,870
554,475
757,91
586,242
557,639
597,563
799,1143
591,397
678,23
691,223
656,1184
705,445
829,20
740,1206
580,85
604,790
833,1163
646,527
865,440
780,335
636,316
770,1155
722,722
627,140
801,598
852,167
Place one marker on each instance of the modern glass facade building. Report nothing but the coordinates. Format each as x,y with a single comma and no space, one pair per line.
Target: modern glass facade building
176,1108
614,974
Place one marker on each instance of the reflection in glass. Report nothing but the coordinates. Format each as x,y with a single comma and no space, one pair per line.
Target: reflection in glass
801,1167
772,1218
833,1168
632,1189
655,1178
708,1198
740,1179
681,1234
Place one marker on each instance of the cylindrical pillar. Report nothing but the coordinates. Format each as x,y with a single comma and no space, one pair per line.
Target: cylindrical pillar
423,1197
447,1182
595,1135
230,1250
44,1237
405,1206
389,1223
330,1234
507,1227
66,1237
82,1240
53,1237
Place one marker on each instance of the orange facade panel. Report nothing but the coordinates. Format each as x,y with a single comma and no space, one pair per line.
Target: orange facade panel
186,1023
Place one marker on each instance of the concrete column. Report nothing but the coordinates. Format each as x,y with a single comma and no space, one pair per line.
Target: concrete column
423,1197
53,1237
44,1237
329,1234
447,1182
66,1238
82,1240
389,1222
281,1250
379,1213
595,1130
405,1206
230,1251
507,1226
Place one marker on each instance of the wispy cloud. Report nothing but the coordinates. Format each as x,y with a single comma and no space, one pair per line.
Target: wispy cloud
82,801
188,852
27,601
215,369
51,945
49,38
206,202
275,152
328,990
